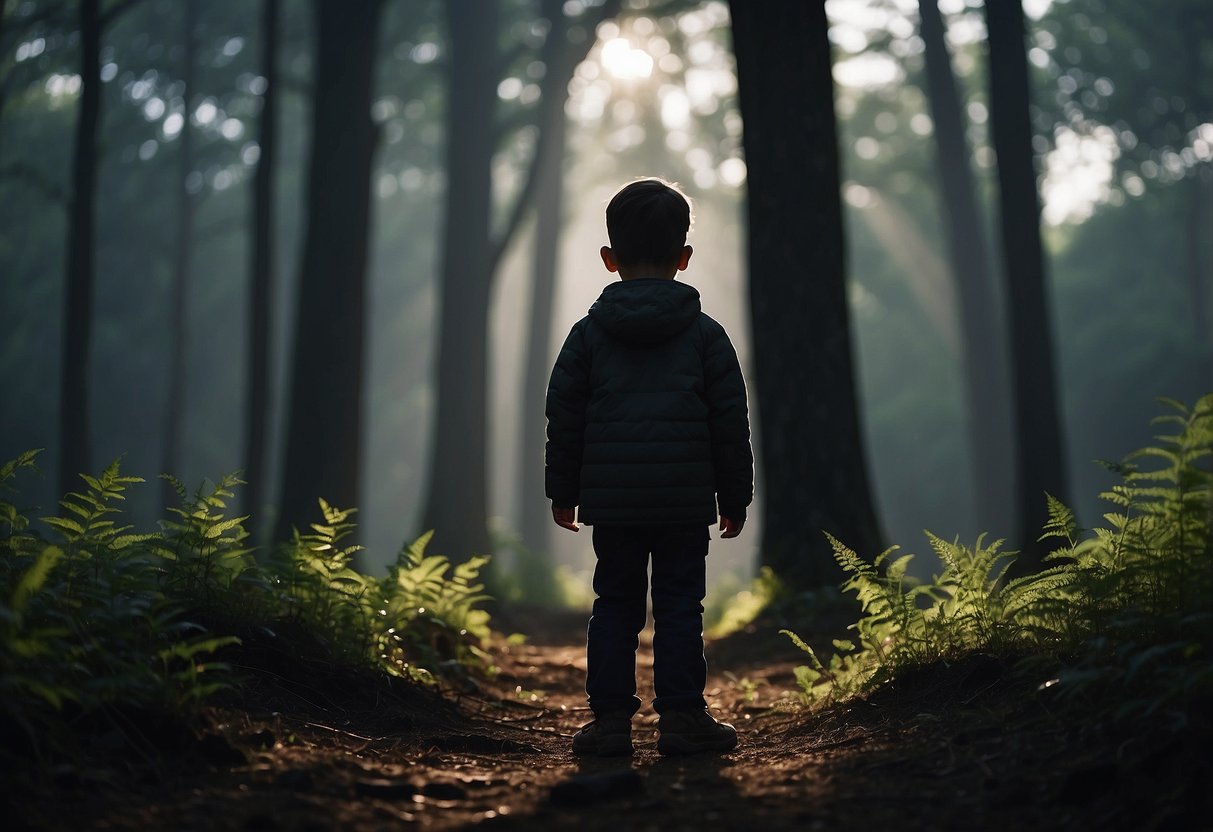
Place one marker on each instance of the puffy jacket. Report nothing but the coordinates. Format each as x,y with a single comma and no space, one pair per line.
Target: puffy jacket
646,409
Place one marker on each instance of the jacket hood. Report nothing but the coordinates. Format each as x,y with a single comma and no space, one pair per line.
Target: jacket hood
646,310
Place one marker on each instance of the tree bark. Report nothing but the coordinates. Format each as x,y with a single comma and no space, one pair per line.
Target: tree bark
561,58
170,458
81,245
4,30
324,423
983,356
261,273
1195,219
1040,461
814,476
457,504
1195,225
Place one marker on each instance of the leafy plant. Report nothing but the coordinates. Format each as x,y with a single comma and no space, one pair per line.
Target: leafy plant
727,611
207,547
438,617
89,625
317,587
1123,603
106,619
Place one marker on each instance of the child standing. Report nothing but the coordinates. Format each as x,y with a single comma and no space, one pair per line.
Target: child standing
649,437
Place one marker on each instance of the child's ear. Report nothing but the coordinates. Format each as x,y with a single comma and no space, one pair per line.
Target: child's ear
684,257
608,259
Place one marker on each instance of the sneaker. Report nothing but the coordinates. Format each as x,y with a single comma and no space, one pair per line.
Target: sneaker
692,732
610,735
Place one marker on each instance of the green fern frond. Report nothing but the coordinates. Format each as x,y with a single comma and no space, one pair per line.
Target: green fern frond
1061,522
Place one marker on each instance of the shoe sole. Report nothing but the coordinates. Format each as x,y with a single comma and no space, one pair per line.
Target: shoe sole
671,746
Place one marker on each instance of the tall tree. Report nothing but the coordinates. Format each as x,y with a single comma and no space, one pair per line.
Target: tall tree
183,253
560,58
261,270
1198,58
81,247
457,499
814,476
324,425
983,357
457,502
1040,461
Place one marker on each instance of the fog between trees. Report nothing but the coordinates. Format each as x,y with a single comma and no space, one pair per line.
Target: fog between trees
1122,131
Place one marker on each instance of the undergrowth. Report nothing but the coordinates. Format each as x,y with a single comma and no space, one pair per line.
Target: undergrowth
1122,607
98,621
730,608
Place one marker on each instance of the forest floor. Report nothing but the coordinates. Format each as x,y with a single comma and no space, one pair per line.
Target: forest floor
967,746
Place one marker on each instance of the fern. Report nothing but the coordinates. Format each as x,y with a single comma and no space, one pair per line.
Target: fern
82,621
437,617
322,590
205,546
105,617
1061,522
12,519
1128,599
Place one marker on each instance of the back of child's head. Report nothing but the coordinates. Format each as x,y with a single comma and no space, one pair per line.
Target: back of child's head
647,222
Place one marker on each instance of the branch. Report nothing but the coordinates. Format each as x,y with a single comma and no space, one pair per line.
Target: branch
550,98
521,204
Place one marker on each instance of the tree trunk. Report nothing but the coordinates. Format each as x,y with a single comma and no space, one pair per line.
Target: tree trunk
814,477
983,356
1040,462
261,274
561,57
81,242
1194,227
549,221
4,30
536,516
170,458
1195,220
457,504
324,423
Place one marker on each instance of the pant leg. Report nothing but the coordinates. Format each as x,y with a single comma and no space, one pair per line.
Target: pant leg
621,584
679,584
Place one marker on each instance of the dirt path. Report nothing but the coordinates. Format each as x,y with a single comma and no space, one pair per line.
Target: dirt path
966,753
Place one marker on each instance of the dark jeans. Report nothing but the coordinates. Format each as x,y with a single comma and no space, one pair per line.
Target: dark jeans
620,582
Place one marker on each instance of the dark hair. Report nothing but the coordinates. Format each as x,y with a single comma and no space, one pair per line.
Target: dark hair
647,222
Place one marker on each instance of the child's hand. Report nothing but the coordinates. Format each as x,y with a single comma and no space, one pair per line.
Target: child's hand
728,528
566,518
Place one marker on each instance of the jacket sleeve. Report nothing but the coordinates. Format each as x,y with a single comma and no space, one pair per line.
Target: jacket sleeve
729,423
567,399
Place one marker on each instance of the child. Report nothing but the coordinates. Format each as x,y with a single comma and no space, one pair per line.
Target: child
648,434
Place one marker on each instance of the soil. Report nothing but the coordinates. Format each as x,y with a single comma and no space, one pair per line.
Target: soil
963,746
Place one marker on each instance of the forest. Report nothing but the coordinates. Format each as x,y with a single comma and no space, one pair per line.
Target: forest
281,288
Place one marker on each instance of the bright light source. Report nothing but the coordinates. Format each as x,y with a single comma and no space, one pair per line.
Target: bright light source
624,62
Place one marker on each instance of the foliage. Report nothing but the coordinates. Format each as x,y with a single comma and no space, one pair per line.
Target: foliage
726,611
1126,603
103,619
531,577
93,623
317,587
431,613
